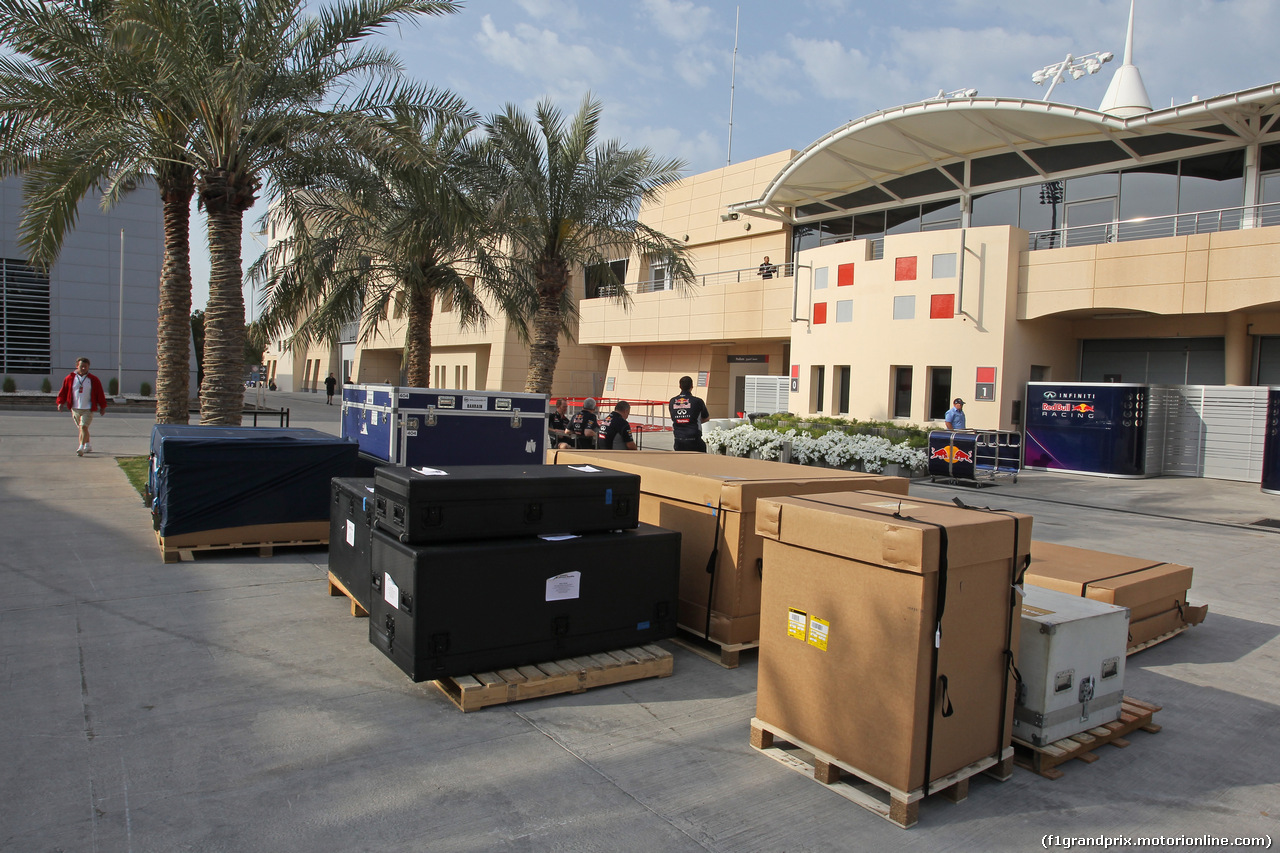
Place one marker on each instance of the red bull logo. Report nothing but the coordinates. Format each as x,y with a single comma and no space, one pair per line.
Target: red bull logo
951,453
1082,407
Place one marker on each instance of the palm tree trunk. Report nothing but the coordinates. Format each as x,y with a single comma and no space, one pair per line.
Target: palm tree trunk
222,393
544,346
173,328
418,339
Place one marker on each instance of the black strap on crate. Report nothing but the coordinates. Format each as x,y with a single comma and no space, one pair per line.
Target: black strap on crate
711,567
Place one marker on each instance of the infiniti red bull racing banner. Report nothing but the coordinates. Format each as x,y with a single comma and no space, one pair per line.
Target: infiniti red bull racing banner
1087,428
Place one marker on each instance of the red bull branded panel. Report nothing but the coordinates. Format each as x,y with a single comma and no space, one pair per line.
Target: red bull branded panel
1088,428
1271,444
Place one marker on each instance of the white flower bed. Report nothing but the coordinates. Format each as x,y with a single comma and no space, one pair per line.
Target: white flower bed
834,448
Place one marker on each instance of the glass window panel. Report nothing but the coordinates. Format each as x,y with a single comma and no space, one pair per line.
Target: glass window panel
944,266
1270,158
1040,206
940,211
1092,186
868,226
804,237
1212,182
995,209
904,307
902,392
902,220
835,230
1150,191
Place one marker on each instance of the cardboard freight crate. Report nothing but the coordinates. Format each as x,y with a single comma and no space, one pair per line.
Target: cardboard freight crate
1155,592
711,500
854,585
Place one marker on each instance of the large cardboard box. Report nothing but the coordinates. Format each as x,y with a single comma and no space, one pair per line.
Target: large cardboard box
711,500
1149,588
887,629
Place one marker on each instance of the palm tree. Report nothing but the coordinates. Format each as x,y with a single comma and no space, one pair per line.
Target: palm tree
76,121
369,232
259,77
566,201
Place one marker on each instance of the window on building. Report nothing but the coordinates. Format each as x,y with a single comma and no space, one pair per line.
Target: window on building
24,318
1173,361
902,392
939,215
820,277
944,266
904,307
817,388
939,392
844,311
398,312
603,280
659,276
844,378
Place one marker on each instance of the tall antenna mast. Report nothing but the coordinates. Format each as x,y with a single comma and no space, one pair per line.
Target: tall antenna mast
733,75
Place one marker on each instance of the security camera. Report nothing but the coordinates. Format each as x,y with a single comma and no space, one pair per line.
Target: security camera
728,217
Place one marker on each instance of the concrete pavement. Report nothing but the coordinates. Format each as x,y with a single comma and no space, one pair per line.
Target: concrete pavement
230,704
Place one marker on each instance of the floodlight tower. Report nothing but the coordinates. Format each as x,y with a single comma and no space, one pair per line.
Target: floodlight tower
1076,66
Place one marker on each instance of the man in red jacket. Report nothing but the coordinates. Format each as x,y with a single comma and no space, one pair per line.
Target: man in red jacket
81,392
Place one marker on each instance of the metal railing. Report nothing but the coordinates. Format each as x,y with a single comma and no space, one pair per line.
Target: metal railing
736,276
1150,227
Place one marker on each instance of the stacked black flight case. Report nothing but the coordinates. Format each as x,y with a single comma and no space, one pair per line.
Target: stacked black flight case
480,568
351,535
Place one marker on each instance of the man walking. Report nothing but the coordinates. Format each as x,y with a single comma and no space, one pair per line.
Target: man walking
688,414
82,393
330,385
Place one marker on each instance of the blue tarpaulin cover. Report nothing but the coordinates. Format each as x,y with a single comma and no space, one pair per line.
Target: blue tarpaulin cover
209,478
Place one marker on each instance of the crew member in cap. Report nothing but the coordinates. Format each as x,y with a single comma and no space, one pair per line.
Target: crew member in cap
585,425
955,415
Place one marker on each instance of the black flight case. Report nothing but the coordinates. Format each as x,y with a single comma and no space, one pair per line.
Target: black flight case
451,609
491,501
350,529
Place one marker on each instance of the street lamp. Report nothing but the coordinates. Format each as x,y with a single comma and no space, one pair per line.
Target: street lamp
1076,66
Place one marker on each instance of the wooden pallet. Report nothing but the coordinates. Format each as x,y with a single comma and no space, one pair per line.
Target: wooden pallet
336,588
263,537
1044,760
571,675
898,807
725,654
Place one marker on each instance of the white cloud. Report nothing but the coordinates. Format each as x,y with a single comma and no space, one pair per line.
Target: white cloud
696,70
539,54
679,19
770,76
561,13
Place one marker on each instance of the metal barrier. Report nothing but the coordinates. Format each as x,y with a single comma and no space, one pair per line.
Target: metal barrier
282,415
641,423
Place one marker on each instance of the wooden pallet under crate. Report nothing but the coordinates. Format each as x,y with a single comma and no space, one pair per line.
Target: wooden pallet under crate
336,588
571,675
1044,760
726,654
898,807
265,538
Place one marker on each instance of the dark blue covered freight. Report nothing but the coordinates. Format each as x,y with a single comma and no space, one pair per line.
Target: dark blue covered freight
210,478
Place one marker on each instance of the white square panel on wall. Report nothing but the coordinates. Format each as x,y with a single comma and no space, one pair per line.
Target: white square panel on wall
904,307
944,266
820,278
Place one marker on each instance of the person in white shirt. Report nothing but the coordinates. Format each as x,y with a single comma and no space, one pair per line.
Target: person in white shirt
82,393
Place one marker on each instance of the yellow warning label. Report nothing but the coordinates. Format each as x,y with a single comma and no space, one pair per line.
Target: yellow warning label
796,623
818,630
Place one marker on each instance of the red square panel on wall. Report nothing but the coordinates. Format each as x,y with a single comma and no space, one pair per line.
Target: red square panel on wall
819,312
942,306
904,269
986,374
795,371
844,275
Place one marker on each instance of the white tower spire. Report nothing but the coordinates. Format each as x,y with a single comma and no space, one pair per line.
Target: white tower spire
1127,95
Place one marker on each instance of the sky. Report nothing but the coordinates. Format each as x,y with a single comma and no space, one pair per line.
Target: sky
663,68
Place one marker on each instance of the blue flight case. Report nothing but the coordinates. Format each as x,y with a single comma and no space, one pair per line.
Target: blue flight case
430,426
971,455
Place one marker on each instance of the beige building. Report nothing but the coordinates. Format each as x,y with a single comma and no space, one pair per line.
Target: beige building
953,247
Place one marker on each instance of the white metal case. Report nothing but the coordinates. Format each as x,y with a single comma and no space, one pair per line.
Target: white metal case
1071,656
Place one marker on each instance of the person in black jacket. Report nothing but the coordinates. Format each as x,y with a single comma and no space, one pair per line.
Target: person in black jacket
617,431
558,425
585,425
330,385
688,414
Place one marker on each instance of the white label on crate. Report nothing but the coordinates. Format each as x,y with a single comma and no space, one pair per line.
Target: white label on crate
564,587
474,404
584,468
797,623
818,631
351,533
390,592
430,472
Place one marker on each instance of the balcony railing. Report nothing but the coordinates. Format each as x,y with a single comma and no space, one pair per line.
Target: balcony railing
656,285
1150,227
